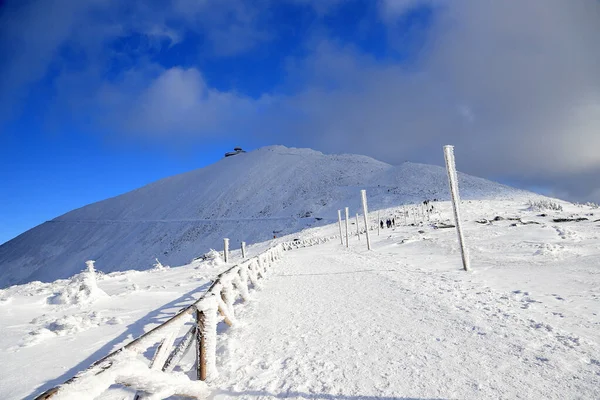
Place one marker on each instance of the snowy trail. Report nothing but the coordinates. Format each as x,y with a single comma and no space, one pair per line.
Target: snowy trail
345,324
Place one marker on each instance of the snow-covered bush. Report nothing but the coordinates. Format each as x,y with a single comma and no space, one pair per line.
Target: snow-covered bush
159,267
588,204
541,205
213,258
81,288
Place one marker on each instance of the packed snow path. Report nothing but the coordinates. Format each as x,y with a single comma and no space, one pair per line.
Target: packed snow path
339,323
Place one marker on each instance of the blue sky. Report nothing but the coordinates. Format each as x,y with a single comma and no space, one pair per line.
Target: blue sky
101,97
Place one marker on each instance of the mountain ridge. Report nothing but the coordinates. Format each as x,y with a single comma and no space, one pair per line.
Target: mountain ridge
250,197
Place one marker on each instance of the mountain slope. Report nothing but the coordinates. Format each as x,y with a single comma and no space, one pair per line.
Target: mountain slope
250,197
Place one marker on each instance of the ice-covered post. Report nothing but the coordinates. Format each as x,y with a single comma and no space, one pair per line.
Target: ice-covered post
363,195
357,227
378,223
347,231
244,250
340,224
453,182
226,249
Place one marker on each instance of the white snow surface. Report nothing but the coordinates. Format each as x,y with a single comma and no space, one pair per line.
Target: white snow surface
249,197
400,322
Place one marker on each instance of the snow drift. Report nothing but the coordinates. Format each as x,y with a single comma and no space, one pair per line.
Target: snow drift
250,197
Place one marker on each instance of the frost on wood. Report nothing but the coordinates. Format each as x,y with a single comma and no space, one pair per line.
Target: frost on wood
227,299
363,195
180,350
240,280
453,183
127,369
209,333
347,227
340,226
226,250
221,297
81,289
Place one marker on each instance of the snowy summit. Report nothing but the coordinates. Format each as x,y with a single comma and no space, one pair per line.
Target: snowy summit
251,197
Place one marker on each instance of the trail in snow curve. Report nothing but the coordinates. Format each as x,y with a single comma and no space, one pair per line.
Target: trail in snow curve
338,324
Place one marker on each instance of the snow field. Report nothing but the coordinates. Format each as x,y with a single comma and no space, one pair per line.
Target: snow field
352,323
120,367
405,322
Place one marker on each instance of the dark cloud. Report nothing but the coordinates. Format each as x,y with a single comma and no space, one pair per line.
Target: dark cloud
514,86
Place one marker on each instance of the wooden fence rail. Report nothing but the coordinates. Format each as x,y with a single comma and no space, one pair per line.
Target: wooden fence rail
202,316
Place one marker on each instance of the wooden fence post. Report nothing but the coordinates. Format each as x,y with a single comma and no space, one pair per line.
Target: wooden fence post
226,250
200,346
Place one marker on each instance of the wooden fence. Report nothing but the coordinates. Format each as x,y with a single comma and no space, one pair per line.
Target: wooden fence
172,346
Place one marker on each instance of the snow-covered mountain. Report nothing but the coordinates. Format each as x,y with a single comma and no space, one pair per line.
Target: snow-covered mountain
249,197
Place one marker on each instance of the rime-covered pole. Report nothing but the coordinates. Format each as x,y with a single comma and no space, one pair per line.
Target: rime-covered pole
244,250
347,230
357,227
226,249
363,195
378,223
453,182
340,224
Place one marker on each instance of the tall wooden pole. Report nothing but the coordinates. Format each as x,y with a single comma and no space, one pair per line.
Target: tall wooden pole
226,249
340,224
347,230
363,195
453,182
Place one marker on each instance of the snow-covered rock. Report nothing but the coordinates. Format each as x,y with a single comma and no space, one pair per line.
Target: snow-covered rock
81,289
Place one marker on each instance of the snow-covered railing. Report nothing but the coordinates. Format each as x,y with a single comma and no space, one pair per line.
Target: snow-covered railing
298,244
127,366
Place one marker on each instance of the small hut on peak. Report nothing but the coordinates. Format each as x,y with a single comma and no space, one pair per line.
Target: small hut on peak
236,150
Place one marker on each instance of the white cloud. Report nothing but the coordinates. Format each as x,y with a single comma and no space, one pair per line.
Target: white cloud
514,85
528,72
174,103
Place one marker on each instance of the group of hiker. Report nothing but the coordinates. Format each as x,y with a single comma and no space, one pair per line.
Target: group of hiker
390,222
